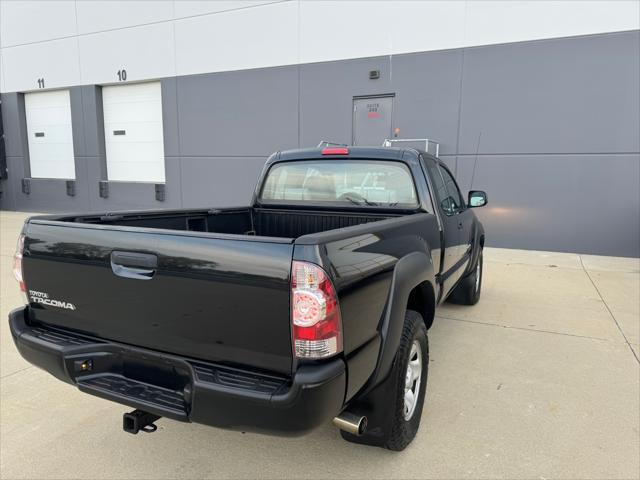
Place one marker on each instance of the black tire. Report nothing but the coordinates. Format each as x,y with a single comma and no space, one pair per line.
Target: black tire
404,430
385,406
467,292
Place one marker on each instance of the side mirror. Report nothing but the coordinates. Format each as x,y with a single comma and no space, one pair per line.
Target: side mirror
477,198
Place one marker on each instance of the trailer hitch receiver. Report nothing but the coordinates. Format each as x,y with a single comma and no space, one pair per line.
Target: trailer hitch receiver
139,421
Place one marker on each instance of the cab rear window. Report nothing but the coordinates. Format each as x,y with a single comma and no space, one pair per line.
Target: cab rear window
341,183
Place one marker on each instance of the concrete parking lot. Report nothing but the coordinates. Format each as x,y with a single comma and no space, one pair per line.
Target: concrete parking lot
539,380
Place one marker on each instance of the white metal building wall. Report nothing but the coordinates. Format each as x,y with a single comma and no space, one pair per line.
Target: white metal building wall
69,42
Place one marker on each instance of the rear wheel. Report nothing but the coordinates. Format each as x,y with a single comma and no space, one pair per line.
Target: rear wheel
396,407
468,290
412,363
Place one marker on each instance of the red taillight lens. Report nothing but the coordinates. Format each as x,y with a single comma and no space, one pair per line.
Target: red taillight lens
335,151
17,264
315,313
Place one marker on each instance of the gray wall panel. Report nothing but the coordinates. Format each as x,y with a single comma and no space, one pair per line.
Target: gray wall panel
170,125
78,124
131,196
8,197
326,96
14,124
426,88
93,121
16,167
428,96
570,203
219,182
450,161
95,166
571,95
247,113
49,195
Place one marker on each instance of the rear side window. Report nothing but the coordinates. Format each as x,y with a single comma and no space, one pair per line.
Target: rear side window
454,200
438,185
343,183
445,188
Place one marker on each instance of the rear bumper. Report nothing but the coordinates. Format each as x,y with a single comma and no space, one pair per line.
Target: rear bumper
182,389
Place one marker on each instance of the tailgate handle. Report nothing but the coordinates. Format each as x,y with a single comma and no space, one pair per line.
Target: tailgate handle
139,266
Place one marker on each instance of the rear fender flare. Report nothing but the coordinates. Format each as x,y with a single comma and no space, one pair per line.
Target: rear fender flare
410,271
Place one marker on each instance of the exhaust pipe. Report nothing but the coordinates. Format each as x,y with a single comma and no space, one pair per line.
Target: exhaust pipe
351,423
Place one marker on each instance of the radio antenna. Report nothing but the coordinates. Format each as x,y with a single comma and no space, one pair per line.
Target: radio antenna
475,162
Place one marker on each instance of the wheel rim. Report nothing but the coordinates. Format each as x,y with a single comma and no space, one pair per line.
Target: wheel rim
412,378
478,276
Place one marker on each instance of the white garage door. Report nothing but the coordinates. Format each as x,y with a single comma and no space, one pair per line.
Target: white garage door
133,132
49,131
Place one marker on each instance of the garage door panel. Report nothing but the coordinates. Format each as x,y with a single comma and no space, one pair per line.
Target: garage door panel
50,134
134,139
49,152
49,99
53,171
133,95
135,153
124,171
129,132
44,134
49,115
53,168
136,92
141,111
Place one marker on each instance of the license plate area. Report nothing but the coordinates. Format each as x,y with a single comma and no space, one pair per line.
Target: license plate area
165,374
149,369
152,382
138,394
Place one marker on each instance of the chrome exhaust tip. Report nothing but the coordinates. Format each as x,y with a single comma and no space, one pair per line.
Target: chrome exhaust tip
351,423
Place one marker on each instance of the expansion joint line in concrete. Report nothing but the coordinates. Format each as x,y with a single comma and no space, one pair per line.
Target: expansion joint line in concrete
609,310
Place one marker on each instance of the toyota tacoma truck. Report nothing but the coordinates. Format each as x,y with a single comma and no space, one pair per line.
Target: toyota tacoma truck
311,305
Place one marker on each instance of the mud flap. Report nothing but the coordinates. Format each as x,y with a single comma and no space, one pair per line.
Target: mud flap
375,406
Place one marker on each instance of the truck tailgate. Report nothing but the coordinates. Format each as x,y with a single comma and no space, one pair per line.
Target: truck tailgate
215,298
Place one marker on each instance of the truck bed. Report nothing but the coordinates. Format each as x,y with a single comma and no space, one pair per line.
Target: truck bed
135,278
280,223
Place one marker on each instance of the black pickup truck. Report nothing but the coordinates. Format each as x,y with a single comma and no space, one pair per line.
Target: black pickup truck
310,305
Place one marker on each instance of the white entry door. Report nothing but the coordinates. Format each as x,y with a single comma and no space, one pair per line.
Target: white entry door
49,132
133,132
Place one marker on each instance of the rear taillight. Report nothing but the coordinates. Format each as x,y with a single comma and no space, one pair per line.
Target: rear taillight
17,264
315,313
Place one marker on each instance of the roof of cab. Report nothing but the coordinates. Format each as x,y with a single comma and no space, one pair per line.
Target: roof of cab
381,153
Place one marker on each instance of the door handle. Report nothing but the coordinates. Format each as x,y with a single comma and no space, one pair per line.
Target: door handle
460,225
138,266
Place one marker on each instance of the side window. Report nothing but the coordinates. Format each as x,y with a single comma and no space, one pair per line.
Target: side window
453,203
441,195
449,202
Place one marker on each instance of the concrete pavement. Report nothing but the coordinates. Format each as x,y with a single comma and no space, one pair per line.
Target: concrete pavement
539,380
